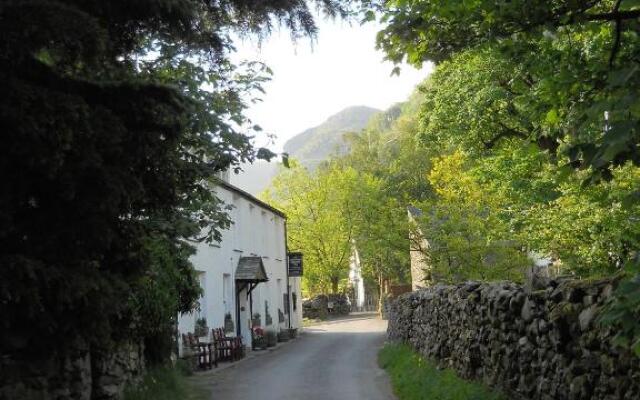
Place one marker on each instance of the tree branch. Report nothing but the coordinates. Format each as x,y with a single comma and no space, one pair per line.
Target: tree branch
506,132
613,16
616,43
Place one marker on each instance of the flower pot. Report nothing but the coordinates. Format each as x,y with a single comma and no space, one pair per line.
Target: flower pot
259,343
272,339
283,335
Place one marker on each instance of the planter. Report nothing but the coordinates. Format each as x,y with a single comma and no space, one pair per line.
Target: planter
259,343
201,328
228,324
258,339
255,320
283,335
272,339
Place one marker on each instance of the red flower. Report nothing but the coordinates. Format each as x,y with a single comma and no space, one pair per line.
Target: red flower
258,332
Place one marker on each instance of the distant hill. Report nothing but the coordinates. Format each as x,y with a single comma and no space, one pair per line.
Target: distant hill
310,147
315,145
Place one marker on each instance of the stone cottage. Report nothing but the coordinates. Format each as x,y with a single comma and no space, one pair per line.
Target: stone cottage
418,246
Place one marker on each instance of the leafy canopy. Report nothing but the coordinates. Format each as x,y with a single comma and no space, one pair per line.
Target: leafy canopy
115,118
565,72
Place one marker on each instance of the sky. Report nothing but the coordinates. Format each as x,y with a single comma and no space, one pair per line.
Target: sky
313,81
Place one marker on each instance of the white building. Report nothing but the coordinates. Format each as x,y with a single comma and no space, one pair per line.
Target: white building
232,272
355,280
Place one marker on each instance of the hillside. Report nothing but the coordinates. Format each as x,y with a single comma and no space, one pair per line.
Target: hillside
316,144
310,147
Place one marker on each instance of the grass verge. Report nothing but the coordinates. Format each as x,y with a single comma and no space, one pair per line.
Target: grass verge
165,383
416,378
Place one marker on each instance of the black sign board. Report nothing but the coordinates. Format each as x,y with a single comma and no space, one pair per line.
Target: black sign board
295,264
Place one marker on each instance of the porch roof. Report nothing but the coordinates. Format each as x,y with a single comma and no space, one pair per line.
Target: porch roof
251,269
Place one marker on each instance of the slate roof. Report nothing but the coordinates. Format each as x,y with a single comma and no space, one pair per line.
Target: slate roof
251,269
250,198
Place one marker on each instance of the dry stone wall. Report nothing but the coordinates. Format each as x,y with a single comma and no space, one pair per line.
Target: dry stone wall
318,307
77,373
532,345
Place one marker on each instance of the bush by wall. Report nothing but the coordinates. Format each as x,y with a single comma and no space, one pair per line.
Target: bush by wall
540,345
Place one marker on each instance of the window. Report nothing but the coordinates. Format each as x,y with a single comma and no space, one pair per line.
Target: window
226,292
285,299
265,235
278,231
294,300
279,283
236,219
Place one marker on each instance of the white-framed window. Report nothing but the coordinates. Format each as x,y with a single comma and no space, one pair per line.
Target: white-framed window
227,293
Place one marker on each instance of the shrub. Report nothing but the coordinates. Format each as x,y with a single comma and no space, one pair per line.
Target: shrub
271,337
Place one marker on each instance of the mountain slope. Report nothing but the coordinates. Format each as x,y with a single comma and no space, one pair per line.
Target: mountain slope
310,147
316,144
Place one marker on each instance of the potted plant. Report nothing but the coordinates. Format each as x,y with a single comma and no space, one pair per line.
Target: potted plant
267,317
258,339
293,333
280,316
201,328
255,320
283,335
271,337
228,323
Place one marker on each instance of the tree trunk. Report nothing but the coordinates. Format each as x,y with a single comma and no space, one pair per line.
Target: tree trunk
380,293
334,285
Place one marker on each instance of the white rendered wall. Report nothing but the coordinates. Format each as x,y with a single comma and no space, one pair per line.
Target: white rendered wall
256,231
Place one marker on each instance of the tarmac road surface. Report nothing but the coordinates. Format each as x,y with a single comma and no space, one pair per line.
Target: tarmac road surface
335,360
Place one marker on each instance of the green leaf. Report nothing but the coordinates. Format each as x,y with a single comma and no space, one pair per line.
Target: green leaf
369,16
636,347
265,154
552,117
621,341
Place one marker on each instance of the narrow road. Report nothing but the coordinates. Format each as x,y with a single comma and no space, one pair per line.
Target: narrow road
332,361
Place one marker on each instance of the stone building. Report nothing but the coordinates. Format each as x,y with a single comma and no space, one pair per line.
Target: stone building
420,268
245,274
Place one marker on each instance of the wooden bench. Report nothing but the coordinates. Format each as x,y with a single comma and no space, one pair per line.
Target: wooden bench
227,347
202,351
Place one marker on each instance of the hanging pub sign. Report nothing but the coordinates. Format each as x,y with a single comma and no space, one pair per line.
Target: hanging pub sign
295,264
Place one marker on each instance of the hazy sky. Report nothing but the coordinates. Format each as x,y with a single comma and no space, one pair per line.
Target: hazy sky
313,81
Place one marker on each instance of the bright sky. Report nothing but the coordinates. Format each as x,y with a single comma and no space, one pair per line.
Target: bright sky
314,81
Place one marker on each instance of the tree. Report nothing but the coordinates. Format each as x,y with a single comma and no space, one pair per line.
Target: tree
434,30
490,107
317,223
468,236
115,118
560,74
573,63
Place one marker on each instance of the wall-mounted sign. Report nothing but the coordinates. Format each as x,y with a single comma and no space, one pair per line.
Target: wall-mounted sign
295,264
